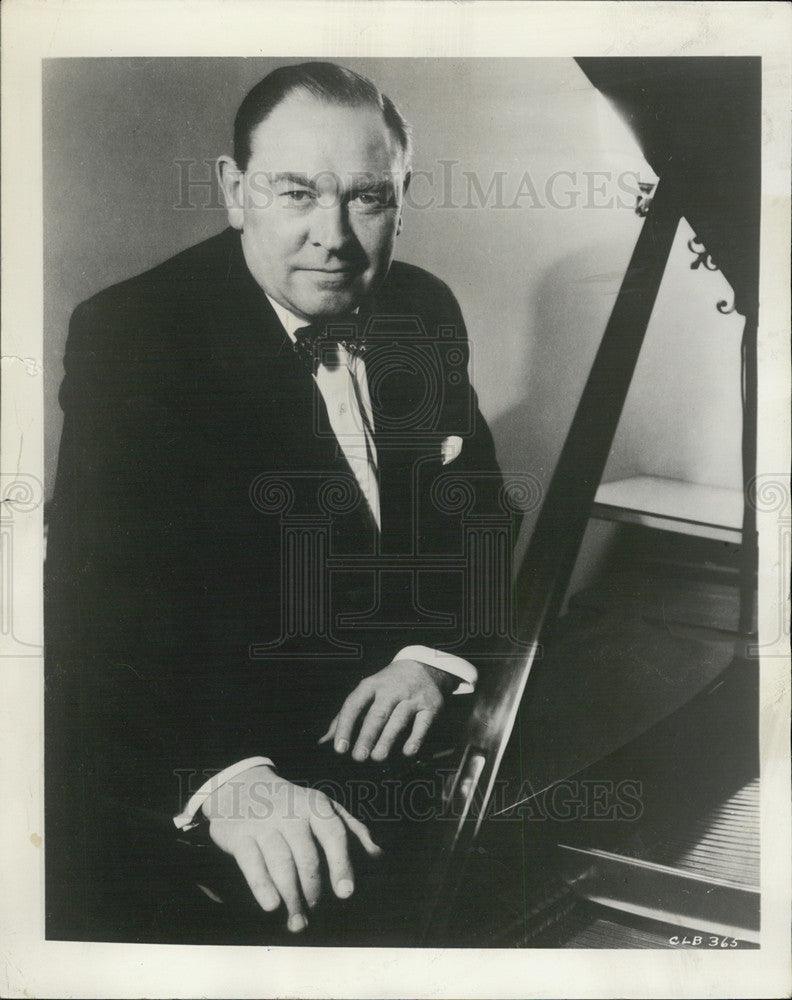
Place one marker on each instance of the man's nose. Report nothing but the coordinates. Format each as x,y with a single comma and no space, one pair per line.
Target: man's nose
330,224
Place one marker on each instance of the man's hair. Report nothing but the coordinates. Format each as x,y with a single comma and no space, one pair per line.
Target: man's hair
324,81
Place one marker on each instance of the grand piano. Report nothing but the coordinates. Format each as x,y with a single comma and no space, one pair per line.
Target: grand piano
607,793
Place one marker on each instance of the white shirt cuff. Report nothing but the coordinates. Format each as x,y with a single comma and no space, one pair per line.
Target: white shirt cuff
186,818
466,672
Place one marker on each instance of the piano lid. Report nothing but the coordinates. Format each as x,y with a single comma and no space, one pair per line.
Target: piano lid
698,123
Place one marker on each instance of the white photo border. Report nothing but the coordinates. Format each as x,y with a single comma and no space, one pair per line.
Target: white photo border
37,29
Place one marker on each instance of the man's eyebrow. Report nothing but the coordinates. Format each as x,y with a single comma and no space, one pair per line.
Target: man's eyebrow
360,183
289,178
372,182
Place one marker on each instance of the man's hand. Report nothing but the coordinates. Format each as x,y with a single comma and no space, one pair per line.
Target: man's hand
406,693
277,832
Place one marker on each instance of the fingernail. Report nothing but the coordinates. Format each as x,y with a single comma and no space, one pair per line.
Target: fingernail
410,749
360,753
341,746
345,888
297,923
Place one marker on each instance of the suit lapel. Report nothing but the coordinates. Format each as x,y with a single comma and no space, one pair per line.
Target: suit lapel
402,386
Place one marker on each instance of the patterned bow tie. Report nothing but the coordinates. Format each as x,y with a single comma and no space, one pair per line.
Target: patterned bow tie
315,343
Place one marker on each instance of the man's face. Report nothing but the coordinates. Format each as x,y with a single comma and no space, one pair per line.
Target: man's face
319,205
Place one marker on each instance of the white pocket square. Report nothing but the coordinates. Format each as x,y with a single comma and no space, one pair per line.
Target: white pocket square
450,448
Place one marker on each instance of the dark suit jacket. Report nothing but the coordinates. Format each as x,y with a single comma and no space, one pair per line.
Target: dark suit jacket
215,583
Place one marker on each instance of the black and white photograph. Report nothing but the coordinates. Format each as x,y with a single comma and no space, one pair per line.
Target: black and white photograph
405,500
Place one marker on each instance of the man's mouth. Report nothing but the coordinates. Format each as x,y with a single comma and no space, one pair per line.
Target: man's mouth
332,270
332,276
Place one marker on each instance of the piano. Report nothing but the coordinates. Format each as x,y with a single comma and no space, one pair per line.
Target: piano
607,792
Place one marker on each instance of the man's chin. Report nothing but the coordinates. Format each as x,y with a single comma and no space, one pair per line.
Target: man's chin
330,304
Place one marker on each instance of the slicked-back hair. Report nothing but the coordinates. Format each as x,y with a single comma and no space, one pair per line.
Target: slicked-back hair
323,80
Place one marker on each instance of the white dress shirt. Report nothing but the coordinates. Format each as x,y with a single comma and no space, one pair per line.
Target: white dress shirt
344,388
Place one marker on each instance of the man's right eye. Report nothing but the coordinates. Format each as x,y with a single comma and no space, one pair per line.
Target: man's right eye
298,195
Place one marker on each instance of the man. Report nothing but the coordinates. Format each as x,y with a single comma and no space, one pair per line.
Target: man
257,567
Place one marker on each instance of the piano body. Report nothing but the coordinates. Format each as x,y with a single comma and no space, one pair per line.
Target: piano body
608,792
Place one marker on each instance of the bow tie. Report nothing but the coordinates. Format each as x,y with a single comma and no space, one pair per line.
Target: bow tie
314,344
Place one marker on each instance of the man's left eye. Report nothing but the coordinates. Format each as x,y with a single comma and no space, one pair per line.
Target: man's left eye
370,199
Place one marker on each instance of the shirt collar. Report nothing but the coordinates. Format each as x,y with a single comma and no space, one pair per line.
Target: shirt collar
290,322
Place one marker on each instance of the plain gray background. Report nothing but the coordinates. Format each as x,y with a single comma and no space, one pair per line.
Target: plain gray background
536,281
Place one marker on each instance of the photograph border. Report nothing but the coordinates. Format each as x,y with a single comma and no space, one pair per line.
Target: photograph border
36,29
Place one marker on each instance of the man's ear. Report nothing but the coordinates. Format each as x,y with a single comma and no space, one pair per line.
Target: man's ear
231,180
405,185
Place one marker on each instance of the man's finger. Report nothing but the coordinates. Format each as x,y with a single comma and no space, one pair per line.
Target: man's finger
330,731
376,718
332,836
283,871
251,864
360,830
423,721
306,857
400,718
347,717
